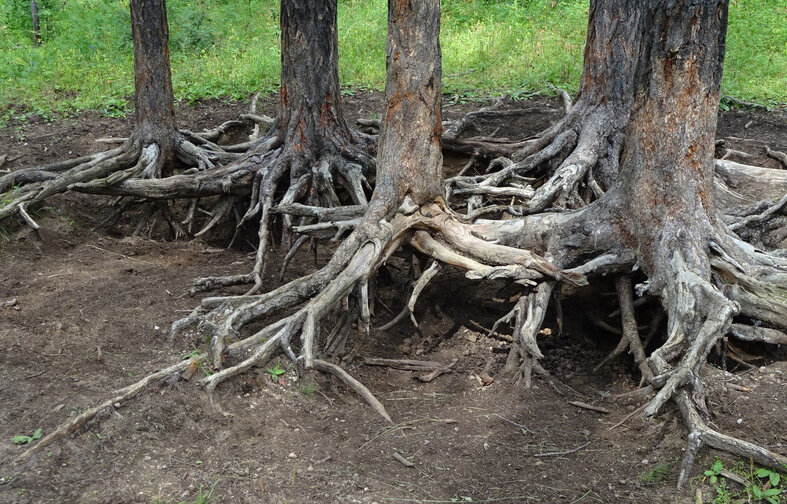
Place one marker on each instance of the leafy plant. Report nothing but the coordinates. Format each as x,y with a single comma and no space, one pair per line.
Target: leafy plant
760,484
769,490
276,371
21,440
714,472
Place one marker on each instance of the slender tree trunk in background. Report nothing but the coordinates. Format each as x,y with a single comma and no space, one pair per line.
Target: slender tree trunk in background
154,102
36,24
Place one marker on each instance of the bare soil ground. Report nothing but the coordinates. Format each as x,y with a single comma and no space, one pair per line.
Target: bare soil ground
92,314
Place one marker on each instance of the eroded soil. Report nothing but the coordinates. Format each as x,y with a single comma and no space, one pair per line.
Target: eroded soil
93,309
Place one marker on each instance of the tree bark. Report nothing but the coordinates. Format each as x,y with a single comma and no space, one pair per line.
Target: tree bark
154,109
311,123
667,163
410,154
36,24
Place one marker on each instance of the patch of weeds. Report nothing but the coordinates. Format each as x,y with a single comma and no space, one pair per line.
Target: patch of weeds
309,388
355,89
723,494
657,473
115,107
22,440
203,497
760,485
5,236
68,220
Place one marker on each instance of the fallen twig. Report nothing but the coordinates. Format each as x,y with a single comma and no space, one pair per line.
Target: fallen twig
122,255
402,460
580,404
560,453
524,429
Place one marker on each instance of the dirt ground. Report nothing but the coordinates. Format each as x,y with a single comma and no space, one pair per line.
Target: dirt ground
94,307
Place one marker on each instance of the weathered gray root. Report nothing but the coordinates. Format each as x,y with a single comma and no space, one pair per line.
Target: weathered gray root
700,435
567,166
132,169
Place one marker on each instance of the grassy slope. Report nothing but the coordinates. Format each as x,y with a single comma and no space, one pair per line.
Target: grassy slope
229,48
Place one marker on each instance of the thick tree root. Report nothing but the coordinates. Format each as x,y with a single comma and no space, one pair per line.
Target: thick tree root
700,435
529,314
567,166
105,172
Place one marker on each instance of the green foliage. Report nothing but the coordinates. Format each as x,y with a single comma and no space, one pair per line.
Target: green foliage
275,371
20,440
657,474
230,49
761,485
309,388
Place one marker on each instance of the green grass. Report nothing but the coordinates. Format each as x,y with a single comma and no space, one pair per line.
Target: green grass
230,49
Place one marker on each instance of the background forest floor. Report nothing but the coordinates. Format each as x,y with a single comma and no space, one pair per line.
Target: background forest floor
94,309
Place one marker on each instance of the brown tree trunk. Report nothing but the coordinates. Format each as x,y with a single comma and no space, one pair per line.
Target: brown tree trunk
154,109
36,23
410,158
667,164
311,124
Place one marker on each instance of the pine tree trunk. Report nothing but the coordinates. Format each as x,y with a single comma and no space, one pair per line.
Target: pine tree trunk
667,164
312,122
611,49
605,95
154,110
408,165
36,23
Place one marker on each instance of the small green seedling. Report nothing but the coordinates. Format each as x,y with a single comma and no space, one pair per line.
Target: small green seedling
276,372
309,388
657,474
714,471
20,440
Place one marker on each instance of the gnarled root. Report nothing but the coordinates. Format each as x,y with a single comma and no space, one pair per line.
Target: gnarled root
529,314
137,160
567,166
313,298
700,435
315,182
744,282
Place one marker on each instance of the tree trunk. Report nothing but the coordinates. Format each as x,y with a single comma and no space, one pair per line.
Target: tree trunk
667,163
311,123
611,48
36,24
154,109
410,157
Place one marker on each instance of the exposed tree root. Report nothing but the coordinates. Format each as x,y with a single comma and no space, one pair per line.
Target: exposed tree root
136,160
700,434
567,166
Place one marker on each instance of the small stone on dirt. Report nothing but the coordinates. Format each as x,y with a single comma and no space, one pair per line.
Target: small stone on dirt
292,455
